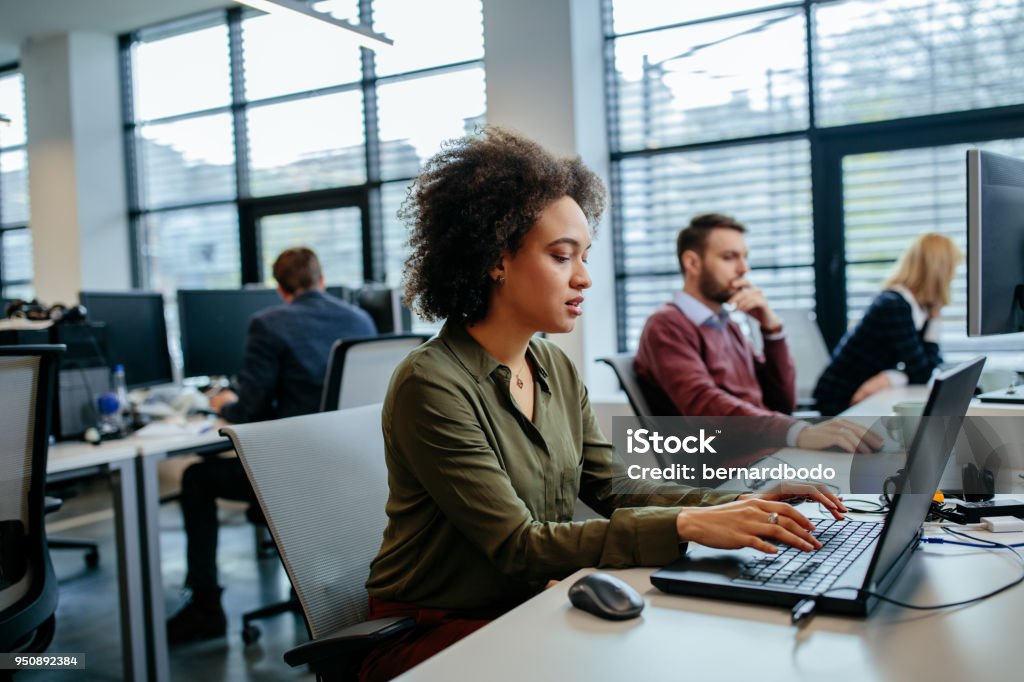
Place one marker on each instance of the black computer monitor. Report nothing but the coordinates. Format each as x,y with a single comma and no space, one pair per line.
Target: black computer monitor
344,293
136,333
385,307
995,243
214,324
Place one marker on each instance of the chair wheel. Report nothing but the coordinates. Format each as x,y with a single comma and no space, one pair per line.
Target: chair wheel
250,634
92,558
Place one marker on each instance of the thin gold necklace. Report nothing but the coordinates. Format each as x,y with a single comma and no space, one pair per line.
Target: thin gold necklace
519,381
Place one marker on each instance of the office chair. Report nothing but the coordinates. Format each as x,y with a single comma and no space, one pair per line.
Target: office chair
324,505
359,370
622,365
28,586
92,549
809,351
358,373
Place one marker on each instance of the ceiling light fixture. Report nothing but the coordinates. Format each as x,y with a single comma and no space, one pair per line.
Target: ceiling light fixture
363,35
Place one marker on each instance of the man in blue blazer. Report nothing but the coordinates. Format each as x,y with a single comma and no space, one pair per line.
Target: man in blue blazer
286,355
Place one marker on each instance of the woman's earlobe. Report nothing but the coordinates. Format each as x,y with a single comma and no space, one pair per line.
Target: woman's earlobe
498,272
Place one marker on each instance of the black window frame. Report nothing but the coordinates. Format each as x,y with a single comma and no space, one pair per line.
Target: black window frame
366,196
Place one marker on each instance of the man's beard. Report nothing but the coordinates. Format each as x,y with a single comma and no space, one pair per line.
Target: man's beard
712,290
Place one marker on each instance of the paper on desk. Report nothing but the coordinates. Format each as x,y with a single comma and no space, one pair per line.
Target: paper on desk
168,428
22,324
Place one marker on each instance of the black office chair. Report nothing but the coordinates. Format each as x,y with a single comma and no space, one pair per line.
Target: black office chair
92,549
28,586
326,499
358,373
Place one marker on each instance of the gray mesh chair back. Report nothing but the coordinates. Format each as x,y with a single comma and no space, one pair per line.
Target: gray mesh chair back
28,588
322,483
359,370
808,348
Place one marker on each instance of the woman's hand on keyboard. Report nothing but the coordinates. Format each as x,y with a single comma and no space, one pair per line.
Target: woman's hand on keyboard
789,491
750,522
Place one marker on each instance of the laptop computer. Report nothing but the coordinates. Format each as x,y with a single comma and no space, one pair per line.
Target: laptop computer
856,555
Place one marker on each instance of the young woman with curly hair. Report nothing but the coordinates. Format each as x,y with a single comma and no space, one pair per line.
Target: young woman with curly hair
489,433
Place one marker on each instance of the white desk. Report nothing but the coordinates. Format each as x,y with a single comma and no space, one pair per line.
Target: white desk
702,639
130,466
1005,431
689,638
880,404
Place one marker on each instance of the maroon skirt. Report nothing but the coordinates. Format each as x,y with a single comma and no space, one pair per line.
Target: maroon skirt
435,630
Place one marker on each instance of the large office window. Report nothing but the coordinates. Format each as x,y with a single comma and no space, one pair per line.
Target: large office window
15,239
834,129
250,133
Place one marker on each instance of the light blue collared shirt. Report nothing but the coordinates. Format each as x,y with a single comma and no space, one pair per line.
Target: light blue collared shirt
698,313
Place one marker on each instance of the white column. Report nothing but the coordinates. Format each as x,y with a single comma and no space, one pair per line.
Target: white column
77,202
545,78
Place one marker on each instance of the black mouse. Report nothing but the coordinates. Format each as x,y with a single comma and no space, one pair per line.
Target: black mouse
606,596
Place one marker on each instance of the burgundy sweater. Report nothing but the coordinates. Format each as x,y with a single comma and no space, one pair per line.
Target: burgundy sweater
692,370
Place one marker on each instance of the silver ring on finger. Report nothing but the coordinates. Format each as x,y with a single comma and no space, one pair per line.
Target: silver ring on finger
773,517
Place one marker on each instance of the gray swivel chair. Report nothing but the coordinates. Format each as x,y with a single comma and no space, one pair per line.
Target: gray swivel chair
28,587
359,370
622,365
358,373
810,354
321,482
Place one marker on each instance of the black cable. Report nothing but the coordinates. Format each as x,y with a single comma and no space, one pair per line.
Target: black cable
876,508
991,544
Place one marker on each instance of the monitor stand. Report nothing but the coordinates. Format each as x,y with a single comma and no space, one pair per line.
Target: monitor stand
1013,395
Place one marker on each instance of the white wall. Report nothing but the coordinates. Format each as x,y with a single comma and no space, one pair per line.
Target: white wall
545,78
78,207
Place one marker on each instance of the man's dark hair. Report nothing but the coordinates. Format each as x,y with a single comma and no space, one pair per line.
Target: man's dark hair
694,237
297,270
478,196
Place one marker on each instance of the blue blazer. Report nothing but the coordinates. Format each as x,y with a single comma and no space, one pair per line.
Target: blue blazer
286,355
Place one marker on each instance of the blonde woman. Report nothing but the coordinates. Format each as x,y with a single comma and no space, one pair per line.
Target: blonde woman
896,342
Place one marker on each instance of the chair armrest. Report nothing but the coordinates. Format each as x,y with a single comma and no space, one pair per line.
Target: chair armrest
346,641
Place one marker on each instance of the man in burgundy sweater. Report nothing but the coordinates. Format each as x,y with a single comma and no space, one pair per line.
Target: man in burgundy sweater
693,360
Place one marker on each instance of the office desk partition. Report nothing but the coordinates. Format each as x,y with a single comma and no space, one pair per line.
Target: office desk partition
690,638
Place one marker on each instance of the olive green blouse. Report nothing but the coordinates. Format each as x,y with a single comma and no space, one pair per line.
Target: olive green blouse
481,498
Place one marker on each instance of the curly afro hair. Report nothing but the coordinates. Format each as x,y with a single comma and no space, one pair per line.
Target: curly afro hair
475,198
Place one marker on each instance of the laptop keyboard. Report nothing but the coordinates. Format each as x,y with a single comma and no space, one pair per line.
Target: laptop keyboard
792,569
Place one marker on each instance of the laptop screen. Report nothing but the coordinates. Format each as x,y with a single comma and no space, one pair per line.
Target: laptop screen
929,452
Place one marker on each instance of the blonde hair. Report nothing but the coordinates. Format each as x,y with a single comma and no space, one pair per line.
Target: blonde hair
926,268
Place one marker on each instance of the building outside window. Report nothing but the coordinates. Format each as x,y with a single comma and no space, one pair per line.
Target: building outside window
249,133
835,130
